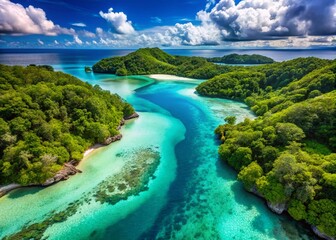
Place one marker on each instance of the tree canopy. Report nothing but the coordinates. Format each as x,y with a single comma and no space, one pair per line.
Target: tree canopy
48,118
242,59
287,154
154,61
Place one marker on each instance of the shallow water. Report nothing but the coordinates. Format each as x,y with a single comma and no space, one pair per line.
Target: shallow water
193,194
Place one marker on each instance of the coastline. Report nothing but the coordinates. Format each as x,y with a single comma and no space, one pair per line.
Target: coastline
280,208
91,150
5,189
69,168
167,77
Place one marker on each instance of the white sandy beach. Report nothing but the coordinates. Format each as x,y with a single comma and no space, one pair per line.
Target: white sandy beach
167,77
91,149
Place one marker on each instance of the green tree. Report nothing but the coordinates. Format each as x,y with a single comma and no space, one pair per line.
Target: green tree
288,132
250,174
231,120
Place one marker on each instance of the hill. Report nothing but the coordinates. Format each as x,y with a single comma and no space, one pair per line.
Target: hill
242,59
155,61
276,85
48,118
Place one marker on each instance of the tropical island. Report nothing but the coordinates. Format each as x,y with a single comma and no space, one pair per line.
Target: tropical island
147,61
48,119
287,154
242,59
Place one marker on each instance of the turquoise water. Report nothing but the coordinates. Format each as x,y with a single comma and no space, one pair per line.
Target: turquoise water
193,194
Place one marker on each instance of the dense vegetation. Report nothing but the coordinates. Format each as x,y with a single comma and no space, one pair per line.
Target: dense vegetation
155,61
48,118
288,153
242,59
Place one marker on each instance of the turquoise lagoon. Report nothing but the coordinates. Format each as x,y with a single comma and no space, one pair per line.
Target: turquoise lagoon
193,194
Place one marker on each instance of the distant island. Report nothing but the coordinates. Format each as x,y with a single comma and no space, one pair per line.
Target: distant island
147,61
87,69
242,59
48,119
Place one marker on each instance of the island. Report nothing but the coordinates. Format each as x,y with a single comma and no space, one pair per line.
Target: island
287,154
148,61
87,69
242,59
47,121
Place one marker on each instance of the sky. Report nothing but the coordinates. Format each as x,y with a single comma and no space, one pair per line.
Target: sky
167,23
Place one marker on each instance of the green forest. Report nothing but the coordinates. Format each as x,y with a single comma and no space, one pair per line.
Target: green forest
242,59
155,61
287,154
49,118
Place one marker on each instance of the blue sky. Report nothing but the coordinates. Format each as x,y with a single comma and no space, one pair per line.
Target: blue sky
141,13
167,23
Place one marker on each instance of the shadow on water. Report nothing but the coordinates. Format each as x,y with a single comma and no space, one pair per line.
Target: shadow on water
21,192
246,199
224,170
259,224
294,229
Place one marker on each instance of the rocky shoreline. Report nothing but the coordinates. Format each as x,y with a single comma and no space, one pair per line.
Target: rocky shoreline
7,188
69,168
279,208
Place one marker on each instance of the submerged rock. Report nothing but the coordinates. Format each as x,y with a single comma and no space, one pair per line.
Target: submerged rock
133,179
277,207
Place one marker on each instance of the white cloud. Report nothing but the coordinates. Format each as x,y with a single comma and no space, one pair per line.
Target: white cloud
40,42
260,19
86,34
209,4
118,21
196,35
15,19
79,24
270,23
77,40
99,31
